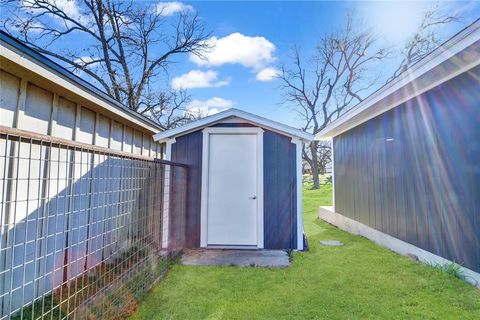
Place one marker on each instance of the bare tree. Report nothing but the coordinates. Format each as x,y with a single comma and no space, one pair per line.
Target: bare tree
340,74
330,84
128,47
425,39
174,113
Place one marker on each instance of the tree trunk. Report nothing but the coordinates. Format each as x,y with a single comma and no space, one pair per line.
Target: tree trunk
314,164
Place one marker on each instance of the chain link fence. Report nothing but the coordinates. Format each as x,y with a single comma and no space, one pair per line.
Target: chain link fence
85,231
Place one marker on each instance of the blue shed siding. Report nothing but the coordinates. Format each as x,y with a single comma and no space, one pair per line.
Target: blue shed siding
188,150
279,180
414,171
279,186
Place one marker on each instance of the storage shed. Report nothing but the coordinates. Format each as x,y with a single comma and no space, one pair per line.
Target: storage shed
244,181
407,159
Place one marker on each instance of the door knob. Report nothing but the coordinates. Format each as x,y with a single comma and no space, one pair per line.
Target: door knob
253,197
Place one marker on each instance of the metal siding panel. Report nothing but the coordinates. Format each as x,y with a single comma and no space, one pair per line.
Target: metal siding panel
293,177
428,176
474,164
127,139
382,175
153,148
458,167
188,150
349,191
116,136
196,174
38,108
424,186
340,197
356,147
65,119
370,137
375,154
9,87
338,164
408,138
279,192
137,142
362,167
343,188
435,172
420,176
388,207
103,131
146,144
284,195
390,174
354,175
448,199
400,173
269,186
86,126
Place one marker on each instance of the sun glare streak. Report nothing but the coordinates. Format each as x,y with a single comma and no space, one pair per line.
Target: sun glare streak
394,21
440,179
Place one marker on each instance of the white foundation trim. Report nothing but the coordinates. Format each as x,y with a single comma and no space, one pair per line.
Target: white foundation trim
333,175
205,165
394,244
166,194
298,162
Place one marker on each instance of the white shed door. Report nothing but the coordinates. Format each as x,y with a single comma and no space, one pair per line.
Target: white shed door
232,190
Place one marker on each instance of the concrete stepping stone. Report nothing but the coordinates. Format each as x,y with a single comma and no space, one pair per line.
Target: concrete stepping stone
331,243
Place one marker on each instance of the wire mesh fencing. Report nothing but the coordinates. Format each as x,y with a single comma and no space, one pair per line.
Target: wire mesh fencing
85,231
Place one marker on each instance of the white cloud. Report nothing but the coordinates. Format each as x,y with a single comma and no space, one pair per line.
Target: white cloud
69,7
202,108
198,79
72,10
267,74
252,52
170,8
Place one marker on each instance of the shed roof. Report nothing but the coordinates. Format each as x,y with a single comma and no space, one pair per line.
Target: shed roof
456,56
234,113
19,53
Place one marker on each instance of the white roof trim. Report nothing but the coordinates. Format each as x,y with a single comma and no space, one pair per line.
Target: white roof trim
260,121
405,86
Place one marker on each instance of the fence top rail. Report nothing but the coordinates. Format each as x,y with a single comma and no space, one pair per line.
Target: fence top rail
19,134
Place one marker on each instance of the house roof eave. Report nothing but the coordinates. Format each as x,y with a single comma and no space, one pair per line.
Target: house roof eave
447,60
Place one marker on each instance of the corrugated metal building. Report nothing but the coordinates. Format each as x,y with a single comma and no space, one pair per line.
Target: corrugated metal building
407,159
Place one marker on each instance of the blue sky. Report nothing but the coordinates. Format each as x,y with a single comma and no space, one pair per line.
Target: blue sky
252,39
285,24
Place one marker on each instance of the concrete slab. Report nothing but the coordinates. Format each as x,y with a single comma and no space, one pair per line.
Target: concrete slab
243,258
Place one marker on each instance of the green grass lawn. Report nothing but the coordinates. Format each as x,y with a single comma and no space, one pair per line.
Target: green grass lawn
360,280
